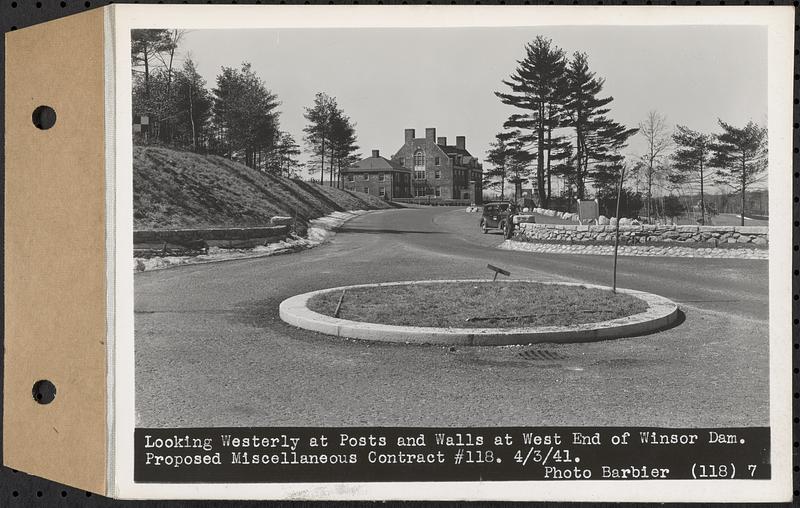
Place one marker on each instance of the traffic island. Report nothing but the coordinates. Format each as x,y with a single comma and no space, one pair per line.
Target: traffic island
479,312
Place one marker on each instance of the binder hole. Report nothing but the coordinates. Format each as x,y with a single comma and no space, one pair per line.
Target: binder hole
44,391
44,117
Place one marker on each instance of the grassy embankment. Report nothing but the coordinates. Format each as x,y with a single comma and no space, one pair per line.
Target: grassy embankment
178,189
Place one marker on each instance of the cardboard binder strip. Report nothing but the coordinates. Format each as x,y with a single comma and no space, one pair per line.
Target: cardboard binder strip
55,272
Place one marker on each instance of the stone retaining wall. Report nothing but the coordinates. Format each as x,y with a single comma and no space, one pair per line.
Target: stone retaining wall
700,236
210,234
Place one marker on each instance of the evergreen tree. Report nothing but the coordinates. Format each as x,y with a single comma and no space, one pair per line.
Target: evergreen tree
597,138
317,132
538,88
245,113
499,156
518,161
343,145
286,152
691,158
146,44
740,154
193,105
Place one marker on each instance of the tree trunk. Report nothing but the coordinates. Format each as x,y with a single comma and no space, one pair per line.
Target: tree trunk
649,194
540,157
191,119
549,183
322,162
146,71
744,180
702,198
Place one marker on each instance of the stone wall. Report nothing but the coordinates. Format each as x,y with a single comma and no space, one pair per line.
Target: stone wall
207,234
699,236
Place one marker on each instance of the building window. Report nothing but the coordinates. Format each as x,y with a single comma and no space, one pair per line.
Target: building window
402,161
366,190
419,159
437,161
381,177
351,178
419,175
437,174
366,176
438,192
382,191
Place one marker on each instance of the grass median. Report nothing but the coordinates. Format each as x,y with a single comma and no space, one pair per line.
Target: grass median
500,304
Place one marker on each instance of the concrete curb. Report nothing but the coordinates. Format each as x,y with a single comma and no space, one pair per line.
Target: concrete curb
661,313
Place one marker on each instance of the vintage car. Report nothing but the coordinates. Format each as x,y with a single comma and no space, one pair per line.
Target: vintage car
497,215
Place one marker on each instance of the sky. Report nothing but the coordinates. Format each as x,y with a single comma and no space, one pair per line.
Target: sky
388,80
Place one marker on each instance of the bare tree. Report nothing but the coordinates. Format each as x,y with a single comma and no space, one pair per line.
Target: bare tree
657,134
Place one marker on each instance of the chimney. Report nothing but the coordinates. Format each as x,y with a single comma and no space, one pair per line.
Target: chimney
409,135
461,142
376,153
441,141
430,134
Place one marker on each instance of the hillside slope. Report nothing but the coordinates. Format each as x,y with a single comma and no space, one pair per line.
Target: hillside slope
177,189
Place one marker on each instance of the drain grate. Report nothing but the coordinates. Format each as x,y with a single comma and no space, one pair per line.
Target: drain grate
541,354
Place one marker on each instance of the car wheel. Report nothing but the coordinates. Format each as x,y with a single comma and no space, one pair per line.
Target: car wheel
484,228
503,228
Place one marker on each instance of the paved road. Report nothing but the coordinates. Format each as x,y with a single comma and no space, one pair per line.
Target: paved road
212,351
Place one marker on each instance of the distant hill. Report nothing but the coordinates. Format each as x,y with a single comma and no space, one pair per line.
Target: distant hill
178,189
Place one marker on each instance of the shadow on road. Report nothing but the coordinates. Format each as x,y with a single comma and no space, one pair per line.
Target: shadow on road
388,231
679,321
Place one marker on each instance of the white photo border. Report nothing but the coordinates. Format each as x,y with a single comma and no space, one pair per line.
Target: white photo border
779,22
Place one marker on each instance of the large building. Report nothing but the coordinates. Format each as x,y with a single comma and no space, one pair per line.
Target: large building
378,176
422,167
440,171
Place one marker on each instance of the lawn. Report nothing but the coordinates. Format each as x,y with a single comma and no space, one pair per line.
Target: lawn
500,304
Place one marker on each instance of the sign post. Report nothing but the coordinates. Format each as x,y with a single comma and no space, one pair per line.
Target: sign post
616,233
497,270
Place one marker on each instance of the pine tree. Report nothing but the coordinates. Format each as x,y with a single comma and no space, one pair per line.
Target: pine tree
497,156
245,112
285,155
598,139
343,144
319,117
517,162
145,45
740,154
690,159
193,105
538,88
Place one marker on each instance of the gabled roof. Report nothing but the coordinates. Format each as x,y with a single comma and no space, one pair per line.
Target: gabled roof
377,164
454,149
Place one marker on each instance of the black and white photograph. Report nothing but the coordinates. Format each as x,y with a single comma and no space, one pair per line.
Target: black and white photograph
565,225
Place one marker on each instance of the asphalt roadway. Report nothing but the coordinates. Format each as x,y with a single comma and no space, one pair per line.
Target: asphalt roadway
212,351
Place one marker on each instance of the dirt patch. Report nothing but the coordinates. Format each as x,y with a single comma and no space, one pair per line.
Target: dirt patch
478,304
